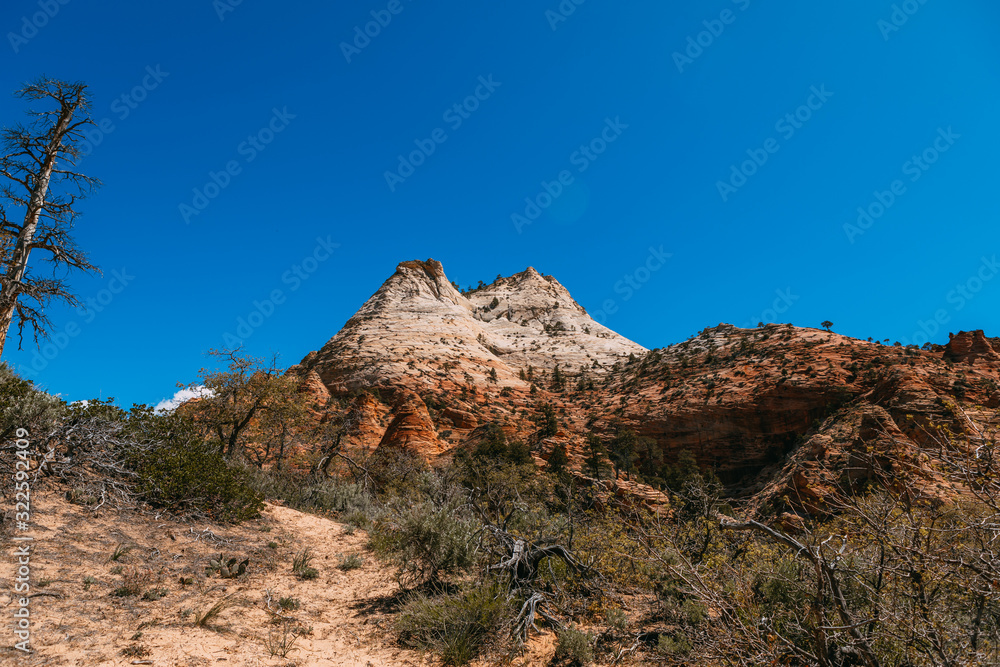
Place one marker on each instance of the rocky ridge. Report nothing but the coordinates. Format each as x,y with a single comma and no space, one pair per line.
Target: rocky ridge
778,412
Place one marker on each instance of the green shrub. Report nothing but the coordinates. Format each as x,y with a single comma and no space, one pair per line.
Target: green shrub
154,594
23,406
573,647
693,611
288,603
165,460
673,646
301,565
459,627
305,493
338,496
185,475
350,562
427,539
615,618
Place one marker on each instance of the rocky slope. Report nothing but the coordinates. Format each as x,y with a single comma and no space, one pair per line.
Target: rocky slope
784,414
778,412
419,330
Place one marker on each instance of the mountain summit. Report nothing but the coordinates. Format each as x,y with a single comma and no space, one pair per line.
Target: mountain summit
420,330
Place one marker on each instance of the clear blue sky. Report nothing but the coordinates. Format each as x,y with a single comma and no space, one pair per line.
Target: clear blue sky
887,93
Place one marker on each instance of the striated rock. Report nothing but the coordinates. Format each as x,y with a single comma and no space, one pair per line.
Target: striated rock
419,330
537,323
460,418
784,416
411,428
313,386
968,346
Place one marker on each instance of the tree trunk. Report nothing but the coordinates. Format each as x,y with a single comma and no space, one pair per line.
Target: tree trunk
22,249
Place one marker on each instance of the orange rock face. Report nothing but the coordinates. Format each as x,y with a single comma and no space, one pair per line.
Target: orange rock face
783,415
411,428
969,346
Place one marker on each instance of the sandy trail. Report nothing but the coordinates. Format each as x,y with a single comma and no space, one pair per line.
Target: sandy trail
74,622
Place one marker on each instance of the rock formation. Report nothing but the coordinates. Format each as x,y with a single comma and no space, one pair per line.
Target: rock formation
781,414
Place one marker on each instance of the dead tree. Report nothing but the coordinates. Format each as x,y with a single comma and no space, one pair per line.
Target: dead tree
520,559
827,580
37,158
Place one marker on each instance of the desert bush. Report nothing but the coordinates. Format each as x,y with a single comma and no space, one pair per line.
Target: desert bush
573,647
184,474
615,618
212,613
428,538
288,603
673,646
460,626
104,453
281,641
307,493
22,406
154,594
339,497
394,472
350,562
301,565
132,583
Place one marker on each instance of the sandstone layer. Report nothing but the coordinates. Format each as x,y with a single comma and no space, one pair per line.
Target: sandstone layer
780,414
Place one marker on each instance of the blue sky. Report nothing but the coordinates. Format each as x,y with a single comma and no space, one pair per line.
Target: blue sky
737,137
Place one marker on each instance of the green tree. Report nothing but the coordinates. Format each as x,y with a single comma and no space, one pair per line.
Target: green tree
548,423
622,451
558,380
250,403
558,460
826,324
596,453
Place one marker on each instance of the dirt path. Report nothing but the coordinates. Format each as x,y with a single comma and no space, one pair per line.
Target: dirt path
79,620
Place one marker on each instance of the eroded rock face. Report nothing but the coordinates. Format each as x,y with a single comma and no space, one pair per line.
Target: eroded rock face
312,385
533,321
781,414
969,346
417,329
411,428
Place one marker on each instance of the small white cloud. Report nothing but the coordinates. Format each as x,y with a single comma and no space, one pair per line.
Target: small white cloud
182,395
82,404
